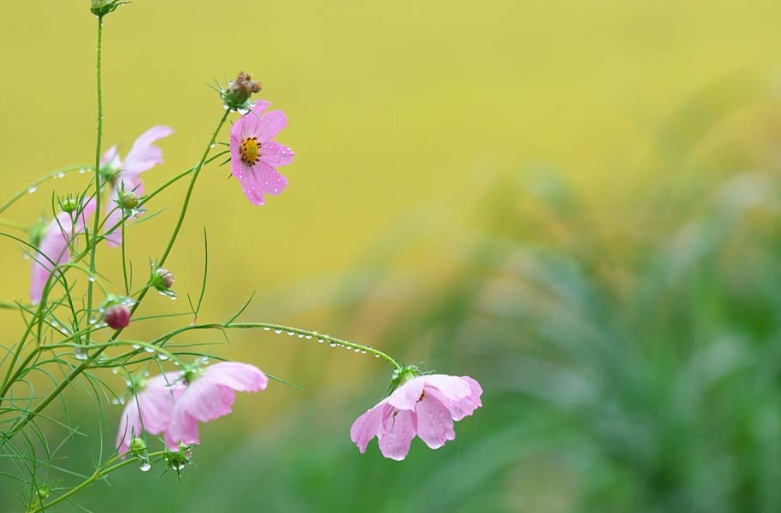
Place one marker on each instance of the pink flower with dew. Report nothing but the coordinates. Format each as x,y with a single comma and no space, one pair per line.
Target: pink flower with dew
143,156
210,395
425,406
53,248
255,157
149,409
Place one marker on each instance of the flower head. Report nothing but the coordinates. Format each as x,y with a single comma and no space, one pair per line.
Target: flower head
150,407
255,156
425,406
53,246
210,394
238,92
125,176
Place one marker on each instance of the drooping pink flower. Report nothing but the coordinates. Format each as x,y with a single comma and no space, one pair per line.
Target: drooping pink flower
53,248
143,156
210,395
149,409
255,157
425,406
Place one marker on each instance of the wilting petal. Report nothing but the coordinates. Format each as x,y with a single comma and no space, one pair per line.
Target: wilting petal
183,428
241,377
435,425
367,426
276,154
399,430
407,395
271,123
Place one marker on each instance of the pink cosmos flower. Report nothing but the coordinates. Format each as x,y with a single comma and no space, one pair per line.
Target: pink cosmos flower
255,157
425,406
208,396
53,248
150,409
143,156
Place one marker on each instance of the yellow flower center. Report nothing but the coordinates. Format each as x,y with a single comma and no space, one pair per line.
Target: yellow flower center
250,151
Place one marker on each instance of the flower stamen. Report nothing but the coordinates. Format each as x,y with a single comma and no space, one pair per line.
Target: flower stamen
250,151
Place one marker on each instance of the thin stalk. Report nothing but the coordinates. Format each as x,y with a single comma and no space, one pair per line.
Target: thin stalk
96,222
67,380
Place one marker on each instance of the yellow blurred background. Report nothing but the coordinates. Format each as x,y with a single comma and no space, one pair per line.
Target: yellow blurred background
402,115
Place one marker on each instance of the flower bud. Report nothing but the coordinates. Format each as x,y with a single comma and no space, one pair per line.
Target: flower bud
238,93
103,7
68,204
128,200
116,312
137,446
164,279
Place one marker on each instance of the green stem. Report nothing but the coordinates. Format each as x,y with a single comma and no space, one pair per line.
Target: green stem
111,465
14,225
96,222
57,173
277,328
67,380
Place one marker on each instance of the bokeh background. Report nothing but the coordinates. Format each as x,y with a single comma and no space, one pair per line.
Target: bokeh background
576,203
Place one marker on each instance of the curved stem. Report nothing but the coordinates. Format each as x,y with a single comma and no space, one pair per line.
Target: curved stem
277,328
57,173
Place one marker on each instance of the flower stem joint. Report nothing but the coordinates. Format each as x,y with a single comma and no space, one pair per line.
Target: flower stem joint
238,93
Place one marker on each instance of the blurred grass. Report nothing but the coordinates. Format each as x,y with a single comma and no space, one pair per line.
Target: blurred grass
617,297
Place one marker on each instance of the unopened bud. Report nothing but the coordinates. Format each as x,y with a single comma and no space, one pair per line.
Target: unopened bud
116,312
164,278
238,93
103,7
138,447
68,204
128,200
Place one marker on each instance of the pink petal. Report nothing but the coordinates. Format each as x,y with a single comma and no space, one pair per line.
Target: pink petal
276,154
183,428
406,397
129,426
435,425
241,377
260,106
368,425
271,123
271,181
143,155
399,429
250,183
246,126
452,387
111,156
158,402
462,407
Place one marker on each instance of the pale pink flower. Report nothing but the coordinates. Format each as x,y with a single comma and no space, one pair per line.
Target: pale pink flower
143,156
425,406
255,157
210,395
149,409
53,248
